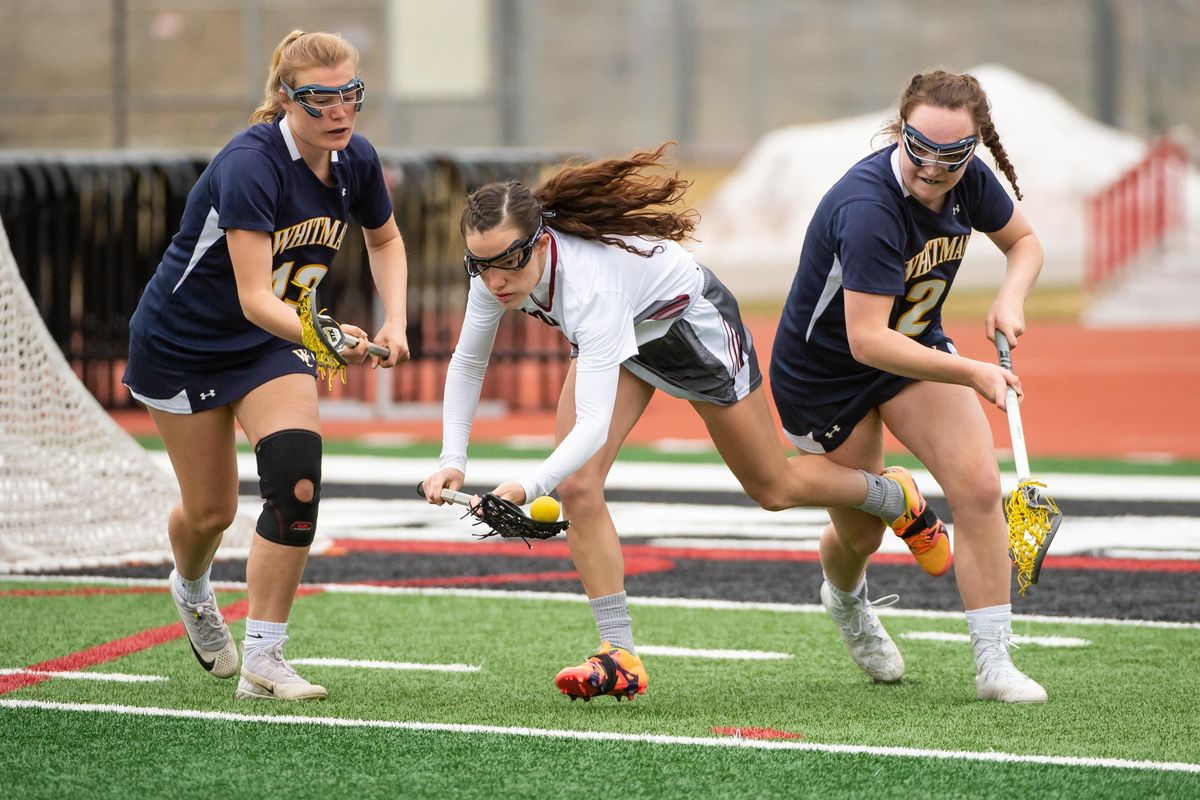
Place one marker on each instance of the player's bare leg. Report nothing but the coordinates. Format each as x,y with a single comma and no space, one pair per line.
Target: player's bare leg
201,449
615,668
747,439
203,455
846,546
592,537
944,426
273,570
848,543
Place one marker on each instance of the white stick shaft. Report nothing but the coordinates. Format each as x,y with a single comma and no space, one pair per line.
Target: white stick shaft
372,348
457,498
1013,406
1017,434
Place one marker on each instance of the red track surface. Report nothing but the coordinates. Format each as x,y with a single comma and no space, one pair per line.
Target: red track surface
1088,393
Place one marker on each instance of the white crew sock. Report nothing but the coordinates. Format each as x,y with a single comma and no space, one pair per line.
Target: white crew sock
196,591
260,633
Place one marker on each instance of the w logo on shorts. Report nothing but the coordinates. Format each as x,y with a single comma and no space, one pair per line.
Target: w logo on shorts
304,355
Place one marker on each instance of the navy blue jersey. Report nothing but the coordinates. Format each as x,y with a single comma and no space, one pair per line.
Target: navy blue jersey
868,235
190,314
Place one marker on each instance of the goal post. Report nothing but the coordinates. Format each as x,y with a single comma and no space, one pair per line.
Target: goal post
75,489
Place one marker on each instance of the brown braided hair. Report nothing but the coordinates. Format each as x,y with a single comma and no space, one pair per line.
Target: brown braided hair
954,91
296,51
600,201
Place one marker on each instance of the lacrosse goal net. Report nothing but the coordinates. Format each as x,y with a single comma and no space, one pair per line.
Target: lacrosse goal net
75,489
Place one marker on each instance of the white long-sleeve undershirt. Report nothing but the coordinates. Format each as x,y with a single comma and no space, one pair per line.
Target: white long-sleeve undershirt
596,377
594,293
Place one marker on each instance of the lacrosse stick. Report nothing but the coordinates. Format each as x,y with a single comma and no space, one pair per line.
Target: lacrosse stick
323,336
1033,517
503,517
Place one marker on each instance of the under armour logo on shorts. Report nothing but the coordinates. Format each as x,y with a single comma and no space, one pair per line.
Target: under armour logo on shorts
209,394
304,356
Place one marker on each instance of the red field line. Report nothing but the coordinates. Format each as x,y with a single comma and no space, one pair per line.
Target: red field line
1121,564
559,550
119,648
86,590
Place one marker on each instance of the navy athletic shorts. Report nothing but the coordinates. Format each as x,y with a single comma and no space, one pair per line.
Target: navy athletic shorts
170,386
822,427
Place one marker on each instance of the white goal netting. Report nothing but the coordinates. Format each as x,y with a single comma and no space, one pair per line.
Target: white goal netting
75,489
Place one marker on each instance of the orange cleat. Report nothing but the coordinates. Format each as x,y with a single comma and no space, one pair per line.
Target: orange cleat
614,671
920,528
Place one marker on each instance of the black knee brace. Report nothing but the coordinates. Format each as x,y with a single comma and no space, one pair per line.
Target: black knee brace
284,459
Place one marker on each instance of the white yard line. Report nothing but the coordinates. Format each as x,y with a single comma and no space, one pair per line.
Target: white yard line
730,655
570,597
397,665
1042,641
601,736
110,677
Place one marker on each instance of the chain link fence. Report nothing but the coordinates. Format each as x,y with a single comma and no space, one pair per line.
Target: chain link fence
714,75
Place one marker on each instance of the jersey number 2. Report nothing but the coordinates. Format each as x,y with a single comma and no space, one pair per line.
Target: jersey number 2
924,296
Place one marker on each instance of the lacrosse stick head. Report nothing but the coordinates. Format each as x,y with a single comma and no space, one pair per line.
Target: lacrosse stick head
505,519
1033,519
322,336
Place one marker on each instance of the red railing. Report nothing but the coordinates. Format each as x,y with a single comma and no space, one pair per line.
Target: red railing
1136,213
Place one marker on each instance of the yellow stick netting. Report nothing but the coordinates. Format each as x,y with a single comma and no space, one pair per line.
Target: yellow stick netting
1030,520
328,363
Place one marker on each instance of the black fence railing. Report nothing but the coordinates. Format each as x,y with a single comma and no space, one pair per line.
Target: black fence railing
88,229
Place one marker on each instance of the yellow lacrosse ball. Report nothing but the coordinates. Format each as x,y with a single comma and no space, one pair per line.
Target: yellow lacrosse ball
544,509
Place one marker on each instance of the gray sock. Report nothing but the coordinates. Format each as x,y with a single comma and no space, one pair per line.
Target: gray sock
885,498
613,620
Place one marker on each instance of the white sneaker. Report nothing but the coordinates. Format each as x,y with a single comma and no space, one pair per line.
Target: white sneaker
869,644
207,632
265,674
996,677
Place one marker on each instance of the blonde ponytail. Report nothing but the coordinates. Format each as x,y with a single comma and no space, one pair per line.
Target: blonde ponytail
297,51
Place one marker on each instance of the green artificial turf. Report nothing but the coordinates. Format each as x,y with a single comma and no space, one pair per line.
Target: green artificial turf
1125,696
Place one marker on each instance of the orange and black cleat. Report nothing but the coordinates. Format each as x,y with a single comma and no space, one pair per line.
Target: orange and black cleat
920,528
613,671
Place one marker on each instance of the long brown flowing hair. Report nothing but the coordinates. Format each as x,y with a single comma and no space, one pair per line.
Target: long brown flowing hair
600,200
954,91
299,50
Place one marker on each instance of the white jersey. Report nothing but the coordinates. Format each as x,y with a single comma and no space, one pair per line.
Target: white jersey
607,302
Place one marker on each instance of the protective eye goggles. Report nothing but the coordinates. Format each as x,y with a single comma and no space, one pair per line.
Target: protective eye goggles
925,152
315,99
514,258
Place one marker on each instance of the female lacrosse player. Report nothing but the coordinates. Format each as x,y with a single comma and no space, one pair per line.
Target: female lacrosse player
595,252
215,339
860,345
